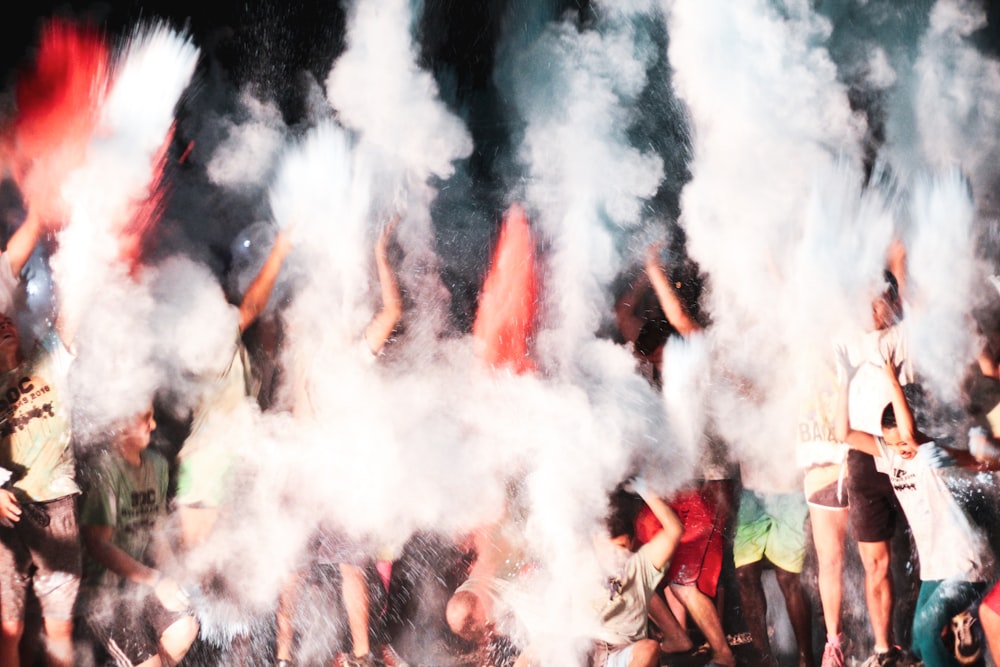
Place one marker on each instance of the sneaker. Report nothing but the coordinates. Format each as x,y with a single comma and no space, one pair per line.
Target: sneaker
968,648
890,658
832,656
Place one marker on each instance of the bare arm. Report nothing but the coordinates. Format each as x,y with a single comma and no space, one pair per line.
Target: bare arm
97,539
380,328
260,288
669,301
904,416
859,440
630,324
661,548
23,241
896,262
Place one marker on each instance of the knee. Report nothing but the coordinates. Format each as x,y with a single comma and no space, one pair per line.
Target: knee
926,630
788,582
748,575
876,563
181,634
646,652
465,615
12,630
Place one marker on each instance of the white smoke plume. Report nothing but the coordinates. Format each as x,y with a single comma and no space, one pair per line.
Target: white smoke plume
586,184
768,120
247,154
150,74
957,95
941,332
406,135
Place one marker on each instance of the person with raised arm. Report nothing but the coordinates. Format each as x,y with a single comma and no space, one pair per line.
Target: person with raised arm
705,507
955,559
331,547
622,606
205,463
39,535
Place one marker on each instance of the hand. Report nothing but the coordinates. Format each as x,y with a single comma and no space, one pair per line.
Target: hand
170,595
845,371
387,230
637,485
10,509
653,251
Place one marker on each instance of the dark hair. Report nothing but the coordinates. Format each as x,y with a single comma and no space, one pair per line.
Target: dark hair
891,284
889,417
623,507
620,523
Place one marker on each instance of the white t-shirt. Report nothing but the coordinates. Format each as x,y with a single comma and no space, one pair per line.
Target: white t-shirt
870,390
948,545
622,606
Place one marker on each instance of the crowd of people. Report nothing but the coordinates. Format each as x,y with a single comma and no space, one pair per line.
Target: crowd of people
85,546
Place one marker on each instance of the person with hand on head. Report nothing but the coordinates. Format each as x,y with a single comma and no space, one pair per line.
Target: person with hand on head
873,510
141,617
954,558
622,606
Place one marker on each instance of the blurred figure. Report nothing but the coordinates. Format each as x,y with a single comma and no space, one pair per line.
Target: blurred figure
39,535
622,606
331,546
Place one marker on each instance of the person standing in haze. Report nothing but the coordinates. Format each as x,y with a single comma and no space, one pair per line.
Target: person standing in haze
39,535
874,510
331,546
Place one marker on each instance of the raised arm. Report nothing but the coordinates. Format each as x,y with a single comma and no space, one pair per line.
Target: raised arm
661,548
23,241
669,301
381,327
904,416
260,288
629,322
859,440
896,263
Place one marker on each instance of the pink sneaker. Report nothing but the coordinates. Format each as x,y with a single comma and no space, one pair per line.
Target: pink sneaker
832,656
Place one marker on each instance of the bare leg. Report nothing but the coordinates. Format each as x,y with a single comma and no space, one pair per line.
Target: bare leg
675,639
645,653
755,608
798,613
829,530
287,601
58,643
10,642
356,602
177,639
878,591
702,610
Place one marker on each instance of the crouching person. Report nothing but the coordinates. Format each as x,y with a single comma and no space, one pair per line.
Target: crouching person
632,578
140,616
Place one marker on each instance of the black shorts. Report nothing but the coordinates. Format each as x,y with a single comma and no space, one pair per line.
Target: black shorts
129,622
874,509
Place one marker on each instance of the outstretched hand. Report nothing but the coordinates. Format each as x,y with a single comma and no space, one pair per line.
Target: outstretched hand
845,370
382,242
636,485
653,251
